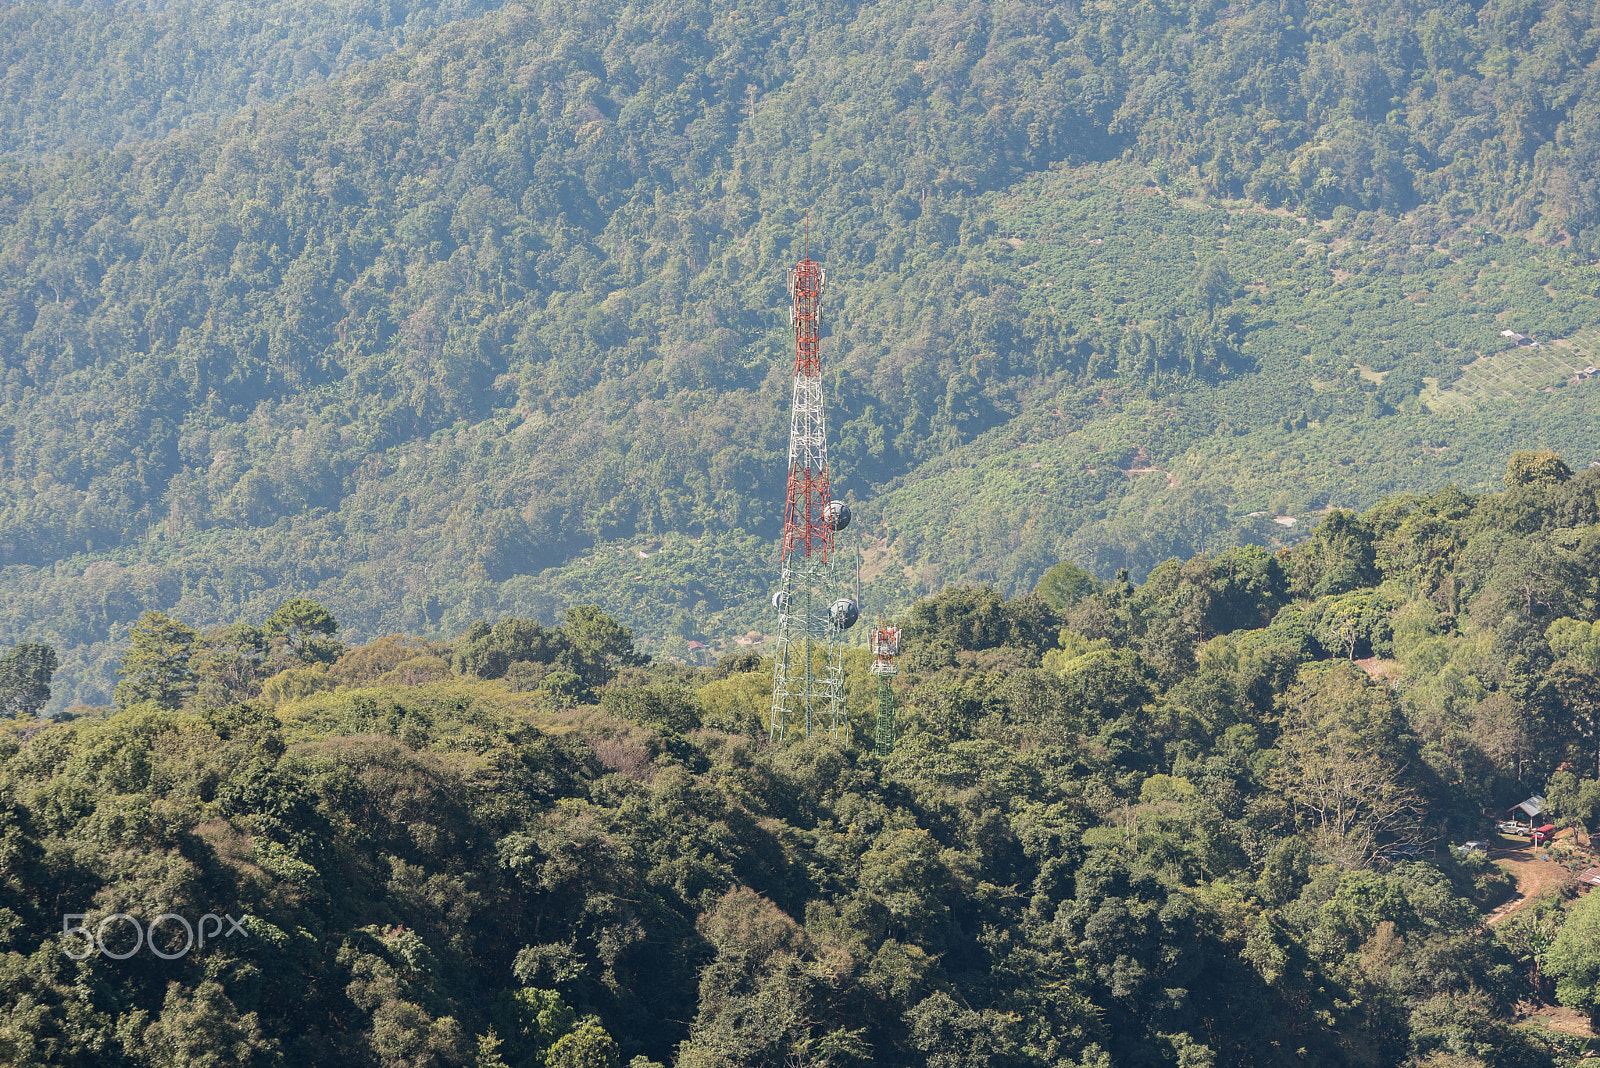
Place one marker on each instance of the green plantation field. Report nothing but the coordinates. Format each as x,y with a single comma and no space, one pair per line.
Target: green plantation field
1316,394
1549,366
1583,345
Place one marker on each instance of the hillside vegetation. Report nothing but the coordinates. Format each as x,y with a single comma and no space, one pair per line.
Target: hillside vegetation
462,330
94,75
1173,822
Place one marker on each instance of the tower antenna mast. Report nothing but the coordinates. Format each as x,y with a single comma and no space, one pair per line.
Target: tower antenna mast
813,599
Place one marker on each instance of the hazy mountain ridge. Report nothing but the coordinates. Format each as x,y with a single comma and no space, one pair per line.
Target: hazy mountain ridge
549,243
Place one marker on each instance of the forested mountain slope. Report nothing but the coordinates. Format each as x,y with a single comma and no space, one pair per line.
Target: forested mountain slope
1171,823
465,329
95,75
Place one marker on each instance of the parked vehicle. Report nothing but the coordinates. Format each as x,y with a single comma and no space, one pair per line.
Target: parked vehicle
1399,853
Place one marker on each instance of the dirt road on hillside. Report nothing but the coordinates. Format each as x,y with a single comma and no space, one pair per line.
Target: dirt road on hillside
1535,870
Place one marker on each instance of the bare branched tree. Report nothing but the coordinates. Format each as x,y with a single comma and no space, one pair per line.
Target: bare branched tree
1343,766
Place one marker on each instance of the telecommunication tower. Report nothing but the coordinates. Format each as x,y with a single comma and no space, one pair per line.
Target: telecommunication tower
885,642
813,599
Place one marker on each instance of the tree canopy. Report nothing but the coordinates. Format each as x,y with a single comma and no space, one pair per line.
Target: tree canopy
1173,821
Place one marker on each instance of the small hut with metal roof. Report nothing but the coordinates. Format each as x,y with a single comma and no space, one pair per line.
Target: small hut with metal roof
1531,808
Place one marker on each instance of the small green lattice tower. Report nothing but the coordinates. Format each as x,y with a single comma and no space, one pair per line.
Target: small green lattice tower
885,642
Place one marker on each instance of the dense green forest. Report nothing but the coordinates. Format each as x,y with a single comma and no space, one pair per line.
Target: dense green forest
95,75
477,326
1209,819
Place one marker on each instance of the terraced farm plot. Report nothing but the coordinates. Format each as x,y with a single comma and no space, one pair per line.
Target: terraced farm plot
1584,346
1516,372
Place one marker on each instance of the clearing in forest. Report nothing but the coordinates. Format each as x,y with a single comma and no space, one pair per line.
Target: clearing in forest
1517,371
1556,1018
1537,871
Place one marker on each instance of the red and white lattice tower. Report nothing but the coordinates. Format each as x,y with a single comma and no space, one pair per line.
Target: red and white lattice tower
813,598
